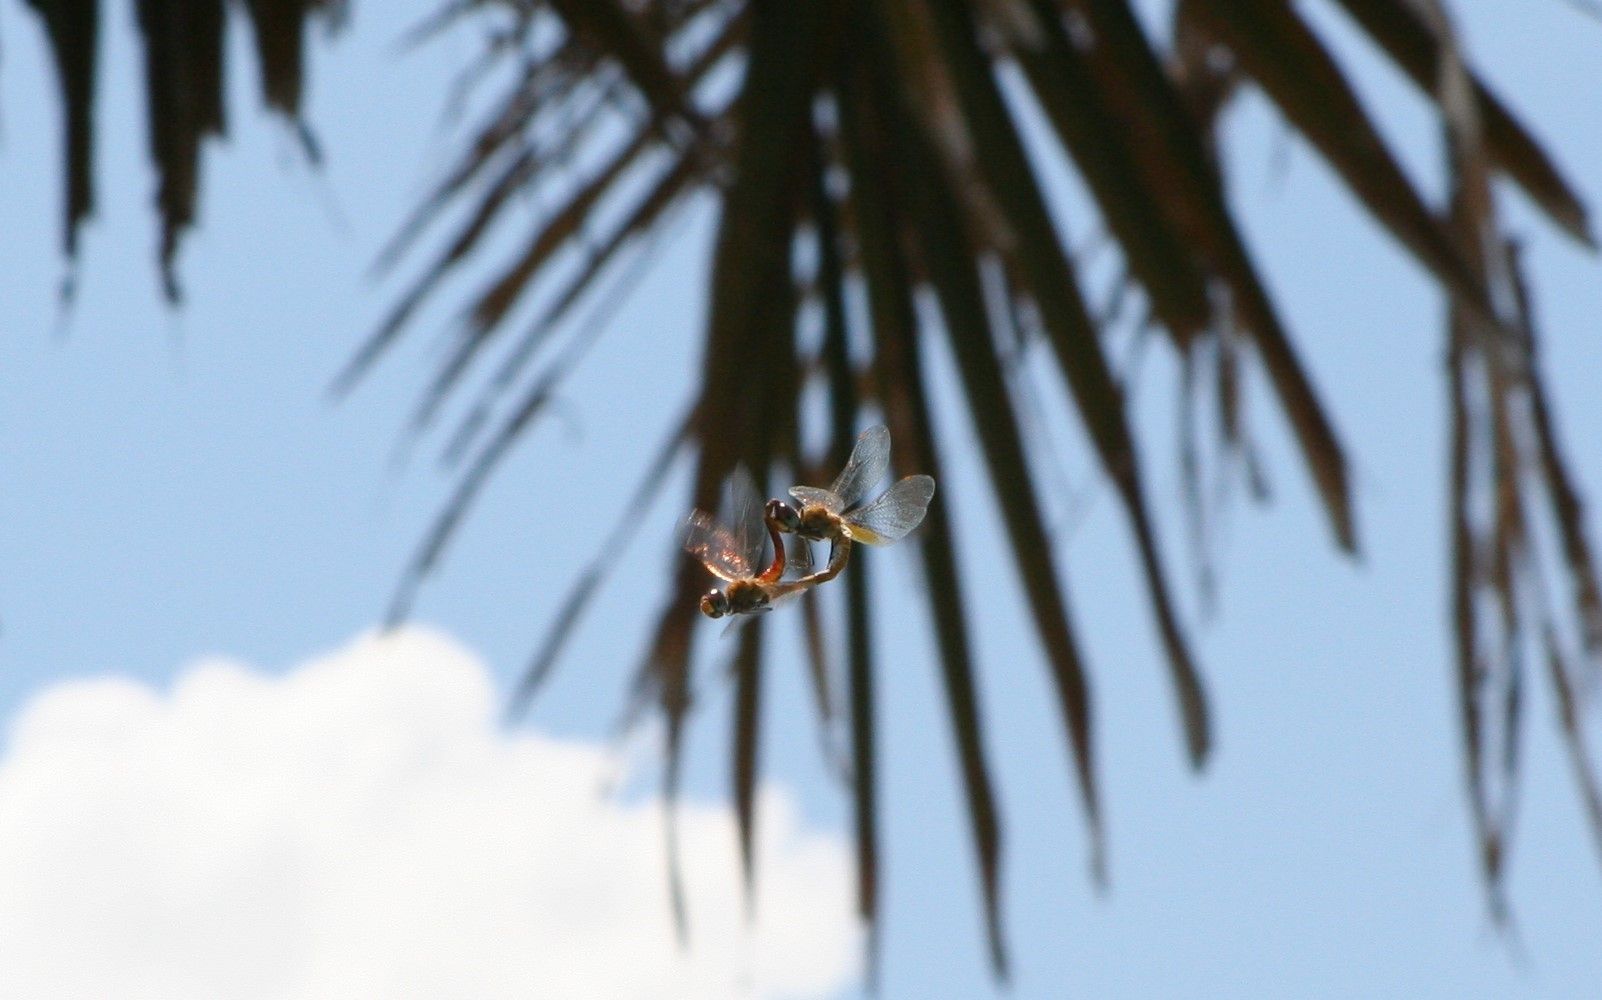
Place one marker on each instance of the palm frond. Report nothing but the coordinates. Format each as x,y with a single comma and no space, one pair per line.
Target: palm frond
857,131
872,153
184,81
73,27
866,141
1398,29
747,673
1505,468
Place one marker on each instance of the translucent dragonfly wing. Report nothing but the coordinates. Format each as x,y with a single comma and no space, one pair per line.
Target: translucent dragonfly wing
738,622
709,540
743,513
893,515
870,460
798,553
813,495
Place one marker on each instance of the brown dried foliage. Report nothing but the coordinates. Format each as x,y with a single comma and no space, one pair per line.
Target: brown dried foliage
878,135
184,79
856,131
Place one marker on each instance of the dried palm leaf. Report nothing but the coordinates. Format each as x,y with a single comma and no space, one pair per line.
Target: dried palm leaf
876,140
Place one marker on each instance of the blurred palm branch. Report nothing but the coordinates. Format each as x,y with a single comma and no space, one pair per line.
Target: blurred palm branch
878,191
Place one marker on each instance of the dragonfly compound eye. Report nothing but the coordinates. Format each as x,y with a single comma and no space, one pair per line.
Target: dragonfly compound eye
715,604
783,515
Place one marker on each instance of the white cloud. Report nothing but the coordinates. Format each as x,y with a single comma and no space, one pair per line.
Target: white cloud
360,828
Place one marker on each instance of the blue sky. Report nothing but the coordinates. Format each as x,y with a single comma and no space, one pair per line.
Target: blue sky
176,485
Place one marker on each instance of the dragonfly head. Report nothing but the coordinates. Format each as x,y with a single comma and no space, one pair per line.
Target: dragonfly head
715,604
782,516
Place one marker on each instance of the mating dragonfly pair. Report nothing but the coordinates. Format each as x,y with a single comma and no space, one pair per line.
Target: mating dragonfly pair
840,515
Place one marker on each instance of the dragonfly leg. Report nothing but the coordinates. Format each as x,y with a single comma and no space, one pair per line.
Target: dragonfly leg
839,555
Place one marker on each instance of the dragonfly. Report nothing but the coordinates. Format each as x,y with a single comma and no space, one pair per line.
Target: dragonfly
842,513
731,550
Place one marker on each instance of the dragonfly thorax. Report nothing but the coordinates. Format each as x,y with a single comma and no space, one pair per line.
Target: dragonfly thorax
818,523
745,596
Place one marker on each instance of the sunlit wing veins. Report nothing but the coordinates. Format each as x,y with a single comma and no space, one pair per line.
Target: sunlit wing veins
869,462
812,494
710,541
893,515
744,513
